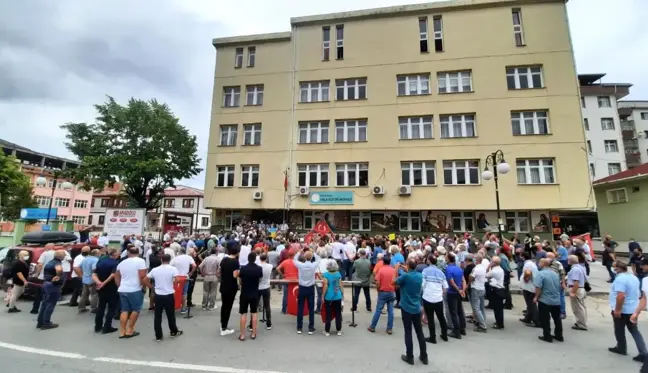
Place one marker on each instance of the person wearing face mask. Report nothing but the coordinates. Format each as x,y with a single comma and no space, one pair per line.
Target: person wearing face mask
19,273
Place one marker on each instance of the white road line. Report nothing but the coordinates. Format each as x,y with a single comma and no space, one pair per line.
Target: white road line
162,364
39,351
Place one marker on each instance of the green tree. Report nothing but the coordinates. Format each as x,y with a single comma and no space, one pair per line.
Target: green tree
15,188
141,145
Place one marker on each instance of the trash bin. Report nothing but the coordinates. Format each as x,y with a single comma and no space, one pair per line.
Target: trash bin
178,287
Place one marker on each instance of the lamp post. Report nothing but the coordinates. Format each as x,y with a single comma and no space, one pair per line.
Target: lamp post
41,181
496,162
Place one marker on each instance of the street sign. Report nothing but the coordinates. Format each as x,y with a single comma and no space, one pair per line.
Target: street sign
36,213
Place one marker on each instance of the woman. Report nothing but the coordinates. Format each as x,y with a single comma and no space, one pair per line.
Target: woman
332,297
19,273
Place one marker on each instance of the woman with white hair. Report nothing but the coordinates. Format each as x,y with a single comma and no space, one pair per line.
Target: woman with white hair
332,289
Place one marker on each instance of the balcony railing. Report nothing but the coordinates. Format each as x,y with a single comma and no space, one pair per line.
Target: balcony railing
628,125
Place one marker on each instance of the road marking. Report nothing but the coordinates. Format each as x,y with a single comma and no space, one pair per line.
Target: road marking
40,351
162,364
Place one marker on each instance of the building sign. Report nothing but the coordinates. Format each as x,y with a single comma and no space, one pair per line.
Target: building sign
331,198
176,222
37,214
121,222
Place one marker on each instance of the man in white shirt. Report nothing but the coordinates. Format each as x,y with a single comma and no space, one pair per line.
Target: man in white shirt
128,277
435,286
264,288
477,294
245,251
75,278
103,241
349,252
186,266
496,281
46,256
164,277
529,271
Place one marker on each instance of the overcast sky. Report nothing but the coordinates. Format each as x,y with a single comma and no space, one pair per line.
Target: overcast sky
58,58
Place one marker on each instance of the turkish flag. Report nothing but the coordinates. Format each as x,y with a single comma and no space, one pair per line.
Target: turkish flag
588,239
321,228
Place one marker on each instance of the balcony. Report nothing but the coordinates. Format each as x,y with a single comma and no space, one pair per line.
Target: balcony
628,125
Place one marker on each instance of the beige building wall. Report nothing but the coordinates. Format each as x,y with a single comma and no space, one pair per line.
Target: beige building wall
380,47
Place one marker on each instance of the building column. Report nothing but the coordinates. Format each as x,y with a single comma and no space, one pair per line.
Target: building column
42,163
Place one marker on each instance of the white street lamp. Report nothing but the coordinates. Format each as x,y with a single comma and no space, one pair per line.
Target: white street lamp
41,181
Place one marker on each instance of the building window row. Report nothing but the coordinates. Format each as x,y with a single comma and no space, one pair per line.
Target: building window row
251,134
253,95
249,176
239,55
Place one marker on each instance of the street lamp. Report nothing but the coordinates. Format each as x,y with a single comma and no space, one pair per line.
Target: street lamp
496,162
41,181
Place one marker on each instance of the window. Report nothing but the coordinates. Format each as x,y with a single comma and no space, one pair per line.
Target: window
614,168
586,124
254,95
43,201
607,124
79,219
351,89
204,221
418,173
238,58
438,33
252,134
225,176
603,101
314,91
339,41
409,221
459,125
592,170
188,203
524,77
617,196
535,171
313,175
423,34
251,56
450,82
411,85
169,203
326,43
352,174
589,146
415,128
80,204
583,102
228,134
644,115
92,203
314,133
611,146
529,123
105,202
463,221
518,32
517,221
102,219
361,221
309,219
90,219
62,217
351,130
62,202
231,96
461,172
250,176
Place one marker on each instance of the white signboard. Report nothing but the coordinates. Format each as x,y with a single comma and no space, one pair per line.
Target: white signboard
120,222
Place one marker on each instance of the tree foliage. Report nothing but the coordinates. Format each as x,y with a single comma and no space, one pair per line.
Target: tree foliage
15,188
141,145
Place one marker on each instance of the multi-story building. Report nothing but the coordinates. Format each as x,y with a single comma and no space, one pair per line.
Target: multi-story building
604,142
109,197
382,119
71,204
186,200
634,123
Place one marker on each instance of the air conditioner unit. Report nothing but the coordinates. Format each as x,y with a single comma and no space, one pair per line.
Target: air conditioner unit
405,190
257,195
378,190
303,191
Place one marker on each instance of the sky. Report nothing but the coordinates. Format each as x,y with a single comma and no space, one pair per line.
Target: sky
59,58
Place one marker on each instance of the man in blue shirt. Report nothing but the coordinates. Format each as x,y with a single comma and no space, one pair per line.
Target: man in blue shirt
547,295
104,278
456,293
89,291
624,298
410,283
397,258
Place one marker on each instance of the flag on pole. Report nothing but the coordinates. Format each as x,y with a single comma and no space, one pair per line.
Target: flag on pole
285,181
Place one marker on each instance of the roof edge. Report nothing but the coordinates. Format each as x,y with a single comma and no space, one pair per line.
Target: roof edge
603,182
250,39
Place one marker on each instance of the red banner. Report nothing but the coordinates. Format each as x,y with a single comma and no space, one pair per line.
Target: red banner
321,228
588,239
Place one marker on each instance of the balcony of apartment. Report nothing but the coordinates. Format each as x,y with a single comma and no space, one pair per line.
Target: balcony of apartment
628,130
632,154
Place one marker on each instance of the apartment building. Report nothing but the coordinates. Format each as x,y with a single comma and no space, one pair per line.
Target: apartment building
109,197
634,125
382,119
604,141
187,201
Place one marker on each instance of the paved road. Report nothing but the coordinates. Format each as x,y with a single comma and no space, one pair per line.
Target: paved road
74,348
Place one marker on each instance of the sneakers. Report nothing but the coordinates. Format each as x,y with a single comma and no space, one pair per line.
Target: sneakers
49,326
225,332
299,331
177,334
311,331
327,334
13,310
183,311
339,333
269,327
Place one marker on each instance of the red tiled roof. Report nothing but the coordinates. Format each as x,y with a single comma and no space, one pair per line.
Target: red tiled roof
109,192
183,191
627,174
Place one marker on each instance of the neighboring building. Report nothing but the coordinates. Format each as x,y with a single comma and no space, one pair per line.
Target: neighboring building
188,200
109,197
381,120
622,202
634,123
604,142
72,204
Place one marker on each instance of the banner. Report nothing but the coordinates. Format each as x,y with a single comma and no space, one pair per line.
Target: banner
176,221
321,228
121,222
588,240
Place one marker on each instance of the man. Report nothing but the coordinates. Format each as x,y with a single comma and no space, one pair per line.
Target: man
410,283
337,253
386,294
128,276
264,288
209,270
505,265
249,276
306,269
52,283
624,299
186,267
633,245
46,256
434,288
164,277
362,273
77,274
229,269
547,297
635,261
89,292
103,241
456,292
643,302
576,279
104,278
349,258
609,255
529,271
557,267
497,279
477,294
288,271
19,275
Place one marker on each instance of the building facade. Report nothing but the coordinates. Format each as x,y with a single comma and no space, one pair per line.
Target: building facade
381,120
109,197
634,123
189,201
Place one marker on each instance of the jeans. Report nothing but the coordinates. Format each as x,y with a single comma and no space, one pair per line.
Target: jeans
409,321
38,297
51,295
532,308
306,295
265,298
284,301
356,297
348,269
430,310
164,303
610,271
563,307
333,306
108,305
619,332
477,303
547,311
318,303
226,308
384,298
455,308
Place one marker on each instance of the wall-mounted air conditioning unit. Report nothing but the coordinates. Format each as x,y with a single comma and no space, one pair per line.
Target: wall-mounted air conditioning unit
378,190
405,190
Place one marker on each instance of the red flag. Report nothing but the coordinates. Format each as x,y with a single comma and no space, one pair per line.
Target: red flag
285,181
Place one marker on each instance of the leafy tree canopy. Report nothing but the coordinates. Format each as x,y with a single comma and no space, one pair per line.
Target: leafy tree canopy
15,188
141,145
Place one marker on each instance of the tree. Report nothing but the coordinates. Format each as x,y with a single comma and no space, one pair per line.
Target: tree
141,145
15,189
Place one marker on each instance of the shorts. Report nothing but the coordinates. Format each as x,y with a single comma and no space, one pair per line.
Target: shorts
185,289
131,302
248,303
